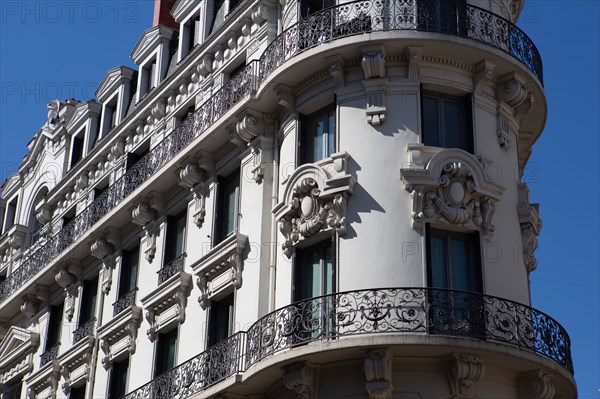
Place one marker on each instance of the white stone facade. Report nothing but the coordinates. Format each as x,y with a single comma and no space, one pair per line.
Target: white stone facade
287,200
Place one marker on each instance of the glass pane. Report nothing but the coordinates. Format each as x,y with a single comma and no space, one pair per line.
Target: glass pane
329,272
431,124
317,140
118,379
165,353
221,320
452,124
459,263
88,302
77,393
331,134
439,274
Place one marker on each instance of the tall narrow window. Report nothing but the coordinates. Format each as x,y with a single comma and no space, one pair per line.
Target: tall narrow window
226,216
175,239
77,392
88,301
314,271
12,390
318,135
11,214
129,271
166,352
454,275
54,326
220,324
447,121
77,149
117,386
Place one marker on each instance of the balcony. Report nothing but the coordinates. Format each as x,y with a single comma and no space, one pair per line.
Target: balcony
389,311
348,19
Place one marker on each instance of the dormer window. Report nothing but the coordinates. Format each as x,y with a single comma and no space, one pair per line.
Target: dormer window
77,148
148,77
109,117
190,35
222,8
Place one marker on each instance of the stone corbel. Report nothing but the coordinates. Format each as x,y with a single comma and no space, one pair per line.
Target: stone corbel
16,236
536,384
378,373
484,74
81,183
160,109
145,215
512,91
376,109
204,68
413,56
118,149
466,370
531,225
250,126
373,61
104,249
43,213
299,377
67,278
30,306
507,127
285,97
260,14
336,69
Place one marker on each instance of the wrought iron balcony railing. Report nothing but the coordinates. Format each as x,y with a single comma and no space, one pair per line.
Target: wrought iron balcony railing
84,330
423,311
124,302
333,23
168,270
49,355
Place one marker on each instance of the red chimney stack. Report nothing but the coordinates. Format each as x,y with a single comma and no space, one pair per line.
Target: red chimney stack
162,14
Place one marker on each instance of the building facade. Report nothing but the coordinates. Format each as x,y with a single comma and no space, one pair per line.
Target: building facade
293,199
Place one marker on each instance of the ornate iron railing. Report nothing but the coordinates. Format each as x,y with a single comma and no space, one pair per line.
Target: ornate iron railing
344,20
124,302
427,311
208,368
168,270
50,354
84,330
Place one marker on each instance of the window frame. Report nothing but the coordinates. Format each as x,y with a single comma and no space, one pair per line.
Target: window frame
158,351
54,325
328,139
298,263
128,254
466,103
214,324
85,291
171,249
116,372
232,179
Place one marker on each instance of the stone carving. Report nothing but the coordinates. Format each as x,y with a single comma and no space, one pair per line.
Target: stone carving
67,279
299,378
484,74
128,330
336,69
205,66
536,384
232,262
531,225
378,373
373,62
466,370
376,109
413,55
512,90
53,109
30,306
145,215
454,190
249,127
175,295
104,250
311,214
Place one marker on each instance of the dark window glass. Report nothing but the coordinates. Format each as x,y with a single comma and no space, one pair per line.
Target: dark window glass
175,240
218,14
88,301
98,191
314,271
77,392
318,135
134,157
166,349
77,150
129,269
453,260
308,7
228,189
54,325
12,390
118,379
447,121
448,16
220,323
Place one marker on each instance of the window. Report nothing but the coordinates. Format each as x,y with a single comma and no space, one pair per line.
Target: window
448,16
166,351
12,390
54,326
220,322
308,7
314,271
314,277
77,392
77,148
226,216
88,301
317,139
110,116
453,264
129,270
148,78
11,214
99,190
175,239
135,156
118,379
447,121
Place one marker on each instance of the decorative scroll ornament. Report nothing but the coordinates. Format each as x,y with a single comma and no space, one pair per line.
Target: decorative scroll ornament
466,369
378,373
536,385
30,306
312,214
531,225
104,250
67,279
452,188
299,378
145,215
315,200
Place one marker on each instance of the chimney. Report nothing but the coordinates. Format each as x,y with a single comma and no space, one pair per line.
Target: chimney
162,14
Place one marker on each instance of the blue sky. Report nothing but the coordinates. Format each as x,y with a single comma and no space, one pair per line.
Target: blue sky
56,49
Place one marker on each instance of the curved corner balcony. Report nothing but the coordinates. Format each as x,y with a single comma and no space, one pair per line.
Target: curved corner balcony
387,311
348,19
